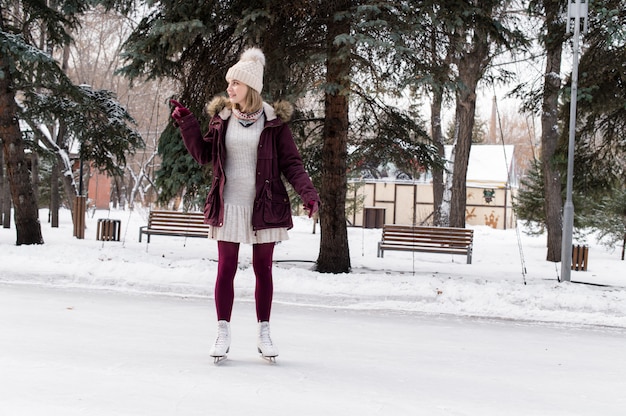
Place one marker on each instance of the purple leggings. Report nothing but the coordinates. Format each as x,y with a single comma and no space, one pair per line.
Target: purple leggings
228,257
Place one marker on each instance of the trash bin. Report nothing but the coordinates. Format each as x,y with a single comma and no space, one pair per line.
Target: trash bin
373,217
580,257
108,230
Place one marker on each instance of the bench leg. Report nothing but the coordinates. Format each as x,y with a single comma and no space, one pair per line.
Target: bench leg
380,251
142,230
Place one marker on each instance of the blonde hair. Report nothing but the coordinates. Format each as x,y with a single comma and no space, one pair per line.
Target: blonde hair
252,103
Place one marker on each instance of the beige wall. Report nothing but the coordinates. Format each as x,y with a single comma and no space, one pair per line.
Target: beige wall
408,203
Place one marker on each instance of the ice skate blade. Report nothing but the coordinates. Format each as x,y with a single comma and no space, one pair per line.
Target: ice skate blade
271,360
218,359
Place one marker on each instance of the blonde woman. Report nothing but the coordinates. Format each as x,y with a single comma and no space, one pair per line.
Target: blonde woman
250,146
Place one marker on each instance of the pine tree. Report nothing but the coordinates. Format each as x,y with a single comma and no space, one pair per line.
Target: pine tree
194,42
608,216
599,169
600,163
486,29
455,43
94,118
529,203
366,53
552,38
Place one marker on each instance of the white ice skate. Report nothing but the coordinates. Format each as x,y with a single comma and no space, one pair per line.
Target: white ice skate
266,347
222,343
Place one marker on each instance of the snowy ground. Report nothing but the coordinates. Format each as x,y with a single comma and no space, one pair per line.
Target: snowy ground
97,353
122,328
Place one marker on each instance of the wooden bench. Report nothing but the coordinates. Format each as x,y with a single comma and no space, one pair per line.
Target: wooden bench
174,223
447,240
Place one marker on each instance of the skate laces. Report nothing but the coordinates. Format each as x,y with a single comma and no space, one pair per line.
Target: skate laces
222,341
222,334
264,332
264,335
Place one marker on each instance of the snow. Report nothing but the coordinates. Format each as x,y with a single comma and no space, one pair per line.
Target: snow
489,165
122,328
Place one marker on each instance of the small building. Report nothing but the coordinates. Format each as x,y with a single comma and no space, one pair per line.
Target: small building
99,189
490,183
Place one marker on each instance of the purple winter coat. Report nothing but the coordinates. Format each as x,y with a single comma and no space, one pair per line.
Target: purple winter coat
277,154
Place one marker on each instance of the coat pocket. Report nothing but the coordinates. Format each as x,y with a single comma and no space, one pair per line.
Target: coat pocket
276,205
212,206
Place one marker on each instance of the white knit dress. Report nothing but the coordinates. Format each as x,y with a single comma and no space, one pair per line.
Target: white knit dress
239,190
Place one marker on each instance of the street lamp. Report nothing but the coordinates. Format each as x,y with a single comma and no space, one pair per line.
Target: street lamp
576,11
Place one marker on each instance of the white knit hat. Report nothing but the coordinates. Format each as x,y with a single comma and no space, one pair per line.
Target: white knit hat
249,69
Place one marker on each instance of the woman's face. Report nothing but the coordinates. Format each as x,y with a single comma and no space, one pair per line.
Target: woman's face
237,92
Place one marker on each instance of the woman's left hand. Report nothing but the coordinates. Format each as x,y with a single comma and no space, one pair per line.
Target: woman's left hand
312,207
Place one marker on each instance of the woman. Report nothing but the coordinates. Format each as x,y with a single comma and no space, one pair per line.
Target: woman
250,146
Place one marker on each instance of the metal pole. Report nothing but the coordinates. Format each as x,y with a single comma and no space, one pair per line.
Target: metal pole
577,10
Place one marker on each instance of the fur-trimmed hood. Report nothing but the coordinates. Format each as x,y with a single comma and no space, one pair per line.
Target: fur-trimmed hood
221,106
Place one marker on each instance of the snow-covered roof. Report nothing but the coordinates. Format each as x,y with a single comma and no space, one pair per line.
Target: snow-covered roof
489,165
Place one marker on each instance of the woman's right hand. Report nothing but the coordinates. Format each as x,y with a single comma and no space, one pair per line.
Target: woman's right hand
179,111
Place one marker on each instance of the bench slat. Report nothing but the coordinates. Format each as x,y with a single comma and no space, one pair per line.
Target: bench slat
425,249
175,223
449,240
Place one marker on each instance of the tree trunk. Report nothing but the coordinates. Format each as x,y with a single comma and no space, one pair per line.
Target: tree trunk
2,185
6,204
550,131
334,256
54,195
471,67
26,211
438,88
34,175
69,184
5,195
465,111
437,135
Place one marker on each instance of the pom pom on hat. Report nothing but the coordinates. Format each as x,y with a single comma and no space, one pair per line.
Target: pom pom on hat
249,69
253,54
